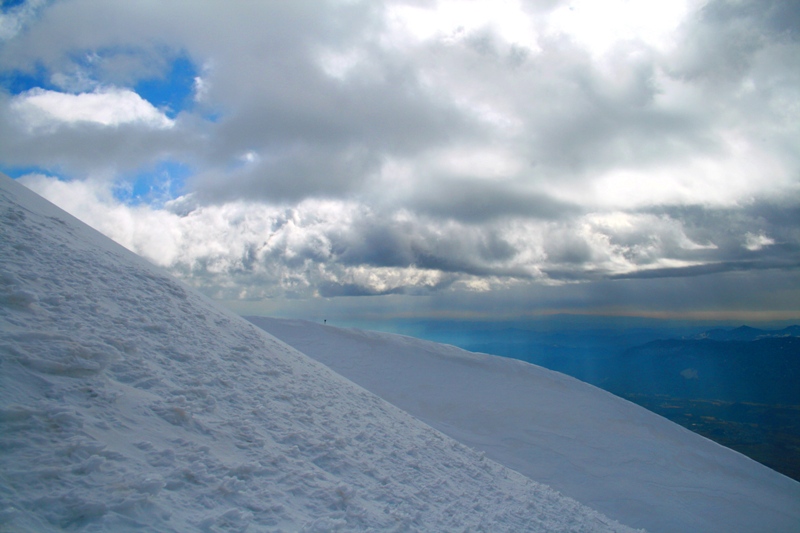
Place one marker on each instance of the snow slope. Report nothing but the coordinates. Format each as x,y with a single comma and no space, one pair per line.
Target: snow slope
610,454
129,402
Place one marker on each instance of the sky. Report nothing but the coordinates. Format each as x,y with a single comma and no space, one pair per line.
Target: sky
471,159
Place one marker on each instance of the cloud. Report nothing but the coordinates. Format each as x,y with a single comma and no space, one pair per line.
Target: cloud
332,247
757,242
45,110
305,249
425,149
480,201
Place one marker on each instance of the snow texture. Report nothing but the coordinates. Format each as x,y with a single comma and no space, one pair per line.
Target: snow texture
605,452
130,402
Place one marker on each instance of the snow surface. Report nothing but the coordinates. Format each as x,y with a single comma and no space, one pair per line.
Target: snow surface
605,452
130,402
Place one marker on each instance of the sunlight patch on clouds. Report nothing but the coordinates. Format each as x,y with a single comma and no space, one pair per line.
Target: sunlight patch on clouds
600,25
452,20
383,280
622,243
42,109
755,242
735,172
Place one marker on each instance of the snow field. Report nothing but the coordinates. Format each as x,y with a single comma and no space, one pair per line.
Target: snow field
630,464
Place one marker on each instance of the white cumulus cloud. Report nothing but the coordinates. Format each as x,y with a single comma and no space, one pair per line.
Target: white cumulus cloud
108,106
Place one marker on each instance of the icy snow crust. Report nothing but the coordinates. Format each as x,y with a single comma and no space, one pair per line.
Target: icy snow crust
129,402
605,452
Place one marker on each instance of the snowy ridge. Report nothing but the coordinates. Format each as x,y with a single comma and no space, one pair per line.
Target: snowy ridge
610,454
129,402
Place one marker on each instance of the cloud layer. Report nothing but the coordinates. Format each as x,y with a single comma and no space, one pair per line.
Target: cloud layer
419,148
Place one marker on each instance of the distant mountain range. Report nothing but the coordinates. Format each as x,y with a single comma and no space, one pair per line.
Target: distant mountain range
742,364
746,333
736,386
738,365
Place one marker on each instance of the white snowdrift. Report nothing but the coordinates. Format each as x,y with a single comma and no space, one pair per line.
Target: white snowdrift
610,454
129,402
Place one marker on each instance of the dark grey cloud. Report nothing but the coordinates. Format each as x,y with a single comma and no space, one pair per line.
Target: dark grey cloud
477,201
780,18
565,247
387,112
728,228
85,149
418,244
289,175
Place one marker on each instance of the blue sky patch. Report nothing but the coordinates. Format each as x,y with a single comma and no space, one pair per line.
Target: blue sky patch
8,5
172,93
17,81
17,172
